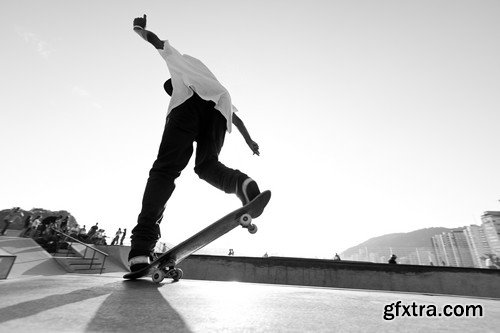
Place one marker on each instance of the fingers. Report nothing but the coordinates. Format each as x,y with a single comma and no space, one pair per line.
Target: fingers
255,148
256,151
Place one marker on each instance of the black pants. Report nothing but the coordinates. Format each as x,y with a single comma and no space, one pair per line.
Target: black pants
194,120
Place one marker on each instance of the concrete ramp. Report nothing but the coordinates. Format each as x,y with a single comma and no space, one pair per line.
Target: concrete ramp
31,259
117,260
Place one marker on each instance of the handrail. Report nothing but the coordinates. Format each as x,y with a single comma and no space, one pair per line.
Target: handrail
87,246
78,241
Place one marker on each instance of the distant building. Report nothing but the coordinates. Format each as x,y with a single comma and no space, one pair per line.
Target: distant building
491,229
442,249
468,246
414,258
478,244
460,248
452,249
422,256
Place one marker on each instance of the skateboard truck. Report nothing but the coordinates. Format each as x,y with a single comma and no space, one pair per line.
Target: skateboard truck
173,273
167,270
246,222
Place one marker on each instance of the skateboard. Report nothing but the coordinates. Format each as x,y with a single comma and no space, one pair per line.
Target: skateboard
165,265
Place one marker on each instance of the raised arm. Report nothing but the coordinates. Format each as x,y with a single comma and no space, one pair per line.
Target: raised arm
244,132
140,29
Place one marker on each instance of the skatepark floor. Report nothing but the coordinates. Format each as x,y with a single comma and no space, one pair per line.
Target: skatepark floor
107,303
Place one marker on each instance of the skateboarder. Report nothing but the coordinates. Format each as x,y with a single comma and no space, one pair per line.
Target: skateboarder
200,110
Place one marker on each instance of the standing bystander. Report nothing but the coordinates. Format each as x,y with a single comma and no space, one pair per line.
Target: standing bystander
117,237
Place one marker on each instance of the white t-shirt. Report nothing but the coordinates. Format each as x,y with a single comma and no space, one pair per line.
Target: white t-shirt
189,74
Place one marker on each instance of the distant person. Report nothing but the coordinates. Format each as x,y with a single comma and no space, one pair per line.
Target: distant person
13,216
40,231
27,226
63,223
123,236
82,233
49,220
393,259
34,227
93,230
101,237
337,257
200,110
52,227
74,230
117,237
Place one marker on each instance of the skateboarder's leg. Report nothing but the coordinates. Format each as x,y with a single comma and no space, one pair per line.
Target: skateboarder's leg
175,151
209,168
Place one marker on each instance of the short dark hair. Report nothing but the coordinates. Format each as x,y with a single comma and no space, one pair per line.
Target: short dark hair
168,87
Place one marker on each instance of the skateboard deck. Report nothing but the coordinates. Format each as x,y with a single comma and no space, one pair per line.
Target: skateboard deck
164,266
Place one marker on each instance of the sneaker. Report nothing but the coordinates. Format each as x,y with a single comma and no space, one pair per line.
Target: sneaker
247,190
139,262
138,259
142,249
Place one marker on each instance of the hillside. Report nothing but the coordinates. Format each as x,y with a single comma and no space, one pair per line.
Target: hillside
399,242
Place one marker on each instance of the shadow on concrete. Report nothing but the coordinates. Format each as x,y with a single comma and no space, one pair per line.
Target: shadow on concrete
30,308
130,306
44,268
137,306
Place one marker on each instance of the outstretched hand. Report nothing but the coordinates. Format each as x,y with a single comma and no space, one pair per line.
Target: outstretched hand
140,22
254,147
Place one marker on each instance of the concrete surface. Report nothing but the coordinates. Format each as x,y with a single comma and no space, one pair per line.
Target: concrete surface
31,258
6,262
107,303
12,232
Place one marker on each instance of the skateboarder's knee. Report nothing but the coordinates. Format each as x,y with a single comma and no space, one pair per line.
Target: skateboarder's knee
204,169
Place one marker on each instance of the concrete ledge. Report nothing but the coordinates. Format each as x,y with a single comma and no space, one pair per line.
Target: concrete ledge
345,274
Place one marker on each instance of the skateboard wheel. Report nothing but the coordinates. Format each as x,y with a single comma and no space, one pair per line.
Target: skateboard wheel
174,273
252,229
158,276
177,274
245,220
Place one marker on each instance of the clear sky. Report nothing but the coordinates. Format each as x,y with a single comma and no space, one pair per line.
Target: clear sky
373,117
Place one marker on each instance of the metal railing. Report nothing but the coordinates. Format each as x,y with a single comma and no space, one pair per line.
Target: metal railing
87,246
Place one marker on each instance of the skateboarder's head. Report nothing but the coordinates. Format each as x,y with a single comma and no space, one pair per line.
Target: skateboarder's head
168,87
